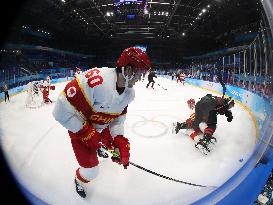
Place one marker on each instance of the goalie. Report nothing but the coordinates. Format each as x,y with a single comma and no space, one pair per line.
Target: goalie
204,120
34,98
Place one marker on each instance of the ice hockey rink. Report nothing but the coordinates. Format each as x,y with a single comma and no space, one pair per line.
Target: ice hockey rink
40,155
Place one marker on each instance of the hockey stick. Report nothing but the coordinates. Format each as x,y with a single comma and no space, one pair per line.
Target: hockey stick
116,155
224,91
162,86
223,84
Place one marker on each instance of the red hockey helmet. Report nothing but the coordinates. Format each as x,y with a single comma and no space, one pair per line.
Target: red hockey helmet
135,57
191,103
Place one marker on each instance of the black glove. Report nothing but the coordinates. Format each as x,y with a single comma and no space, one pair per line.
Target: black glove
229,116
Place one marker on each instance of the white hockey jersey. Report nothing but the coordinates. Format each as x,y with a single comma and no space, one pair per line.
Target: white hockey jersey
93,97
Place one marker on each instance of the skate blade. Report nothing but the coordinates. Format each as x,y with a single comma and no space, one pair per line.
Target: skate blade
211,146
202,149
102,154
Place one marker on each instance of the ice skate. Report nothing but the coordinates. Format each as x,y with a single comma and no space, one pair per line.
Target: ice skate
176,126
102,153
202,147
206,145
80,189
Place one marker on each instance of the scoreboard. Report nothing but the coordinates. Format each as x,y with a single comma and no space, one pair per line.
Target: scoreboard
129,8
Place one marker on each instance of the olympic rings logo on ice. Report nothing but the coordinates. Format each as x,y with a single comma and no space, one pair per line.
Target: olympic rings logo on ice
144,121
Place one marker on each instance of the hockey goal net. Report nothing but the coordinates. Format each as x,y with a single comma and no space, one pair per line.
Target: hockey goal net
34,95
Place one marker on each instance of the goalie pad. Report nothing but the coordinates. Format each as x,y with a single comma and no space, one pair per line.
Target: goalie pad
34,98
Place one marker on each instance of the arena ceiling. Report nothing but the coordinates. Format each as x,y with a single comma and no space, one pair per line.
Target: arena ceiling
171,21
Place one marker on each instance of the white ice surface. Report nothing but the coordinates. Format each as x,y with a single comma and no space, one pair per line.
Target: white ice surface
39,152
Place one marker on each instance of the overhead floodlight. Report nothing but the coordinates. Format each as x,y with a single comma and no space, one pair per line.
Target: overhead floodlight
146,11
63,1
204,10
208,6
107,13
183,34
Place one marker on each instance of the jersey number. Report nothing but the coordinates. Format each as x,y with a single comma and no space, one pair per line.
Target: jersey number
93,78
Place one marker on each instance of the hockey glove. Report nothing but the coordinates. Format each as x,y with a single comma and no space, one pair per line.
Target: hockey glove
122,148
88,135
229,119
107,139
229,116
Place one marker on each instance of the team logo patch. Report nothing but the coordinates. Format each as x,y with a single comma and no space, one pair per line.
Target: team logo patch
71,92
